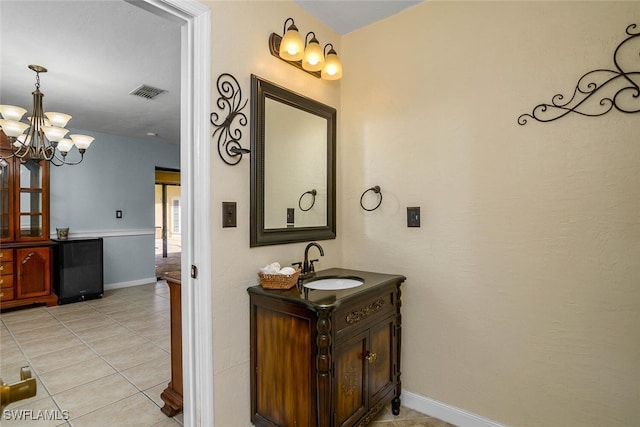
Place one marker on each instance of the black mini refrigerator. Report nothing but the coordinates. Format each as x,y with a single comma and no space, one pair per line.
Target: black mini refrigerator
78,272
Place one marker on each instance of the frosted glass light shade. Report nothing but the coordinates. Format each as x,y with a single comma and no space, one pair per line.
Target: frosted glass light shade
332,69
291,45
13,128
313,57
65,145
54,133
82,141
22,140
58,119
11,112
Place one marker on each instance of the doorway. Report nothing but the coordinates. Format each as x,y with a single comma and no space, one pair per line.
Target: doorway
168,214
197,328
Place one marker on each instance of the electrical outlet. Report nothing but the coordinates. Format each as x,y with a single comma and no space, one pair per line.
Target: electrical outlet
229,214
413,216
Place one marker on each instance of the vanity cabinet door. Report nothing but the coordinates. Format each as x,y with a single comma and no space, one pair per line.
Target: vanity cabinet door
381,360
34,272
350,384
282,360
364,371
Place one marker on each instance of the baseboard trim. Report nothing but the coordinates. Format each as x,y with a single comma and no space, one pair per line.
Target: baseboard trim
130,283
451,414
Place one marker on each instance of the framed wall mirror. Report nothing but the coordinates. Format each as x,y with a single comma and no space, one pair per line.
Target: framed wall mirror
293,166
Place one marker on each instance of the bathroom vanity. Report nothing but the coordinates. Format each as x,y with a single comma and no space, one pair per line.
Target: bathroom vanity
326,357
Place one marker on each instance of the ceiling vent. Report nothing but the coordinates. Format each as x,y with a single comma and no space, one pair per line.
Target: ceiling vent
146,91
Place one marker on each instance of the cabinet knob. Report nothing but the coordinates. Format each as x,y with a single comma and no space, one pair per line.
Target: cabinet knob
371,357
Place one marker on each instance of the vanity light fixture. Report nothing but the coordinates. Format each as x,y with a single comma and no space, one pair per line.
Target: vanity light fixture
332,69
306,55
45,137
313,59
291,46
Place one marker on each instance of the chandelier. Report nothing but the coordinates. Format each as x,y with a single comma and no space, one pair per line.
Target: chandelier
45,133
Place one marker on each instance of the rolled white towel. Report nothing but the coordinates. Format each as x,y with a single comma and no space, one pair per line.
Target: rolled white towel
287,271
273,268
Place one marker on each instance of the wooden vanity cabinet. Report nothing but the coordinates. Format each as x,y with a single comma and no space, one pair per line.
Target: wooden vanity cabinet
330,362
25,255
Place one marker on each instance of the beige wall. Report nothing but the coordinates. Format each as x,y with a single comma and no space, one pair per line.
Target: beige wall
523,294
240,32
522,298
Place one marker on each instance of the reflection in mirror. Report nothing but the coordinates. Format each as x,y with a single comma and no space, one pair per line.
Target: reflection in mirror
293,154
297,140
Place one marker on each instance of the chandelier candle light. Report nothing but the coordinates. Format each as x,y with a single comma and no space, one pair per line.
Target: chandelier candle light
45,136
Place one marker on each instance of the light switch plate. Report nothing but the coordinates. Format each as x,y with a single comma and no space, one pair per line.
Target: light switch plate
229,214
413,216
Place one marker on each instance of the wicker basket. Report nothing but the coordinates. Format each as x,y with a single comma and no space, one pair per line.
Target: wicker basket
278,281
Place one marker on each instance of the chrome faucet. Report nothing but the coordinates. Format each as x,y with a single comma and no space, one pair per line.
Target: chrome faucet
307,266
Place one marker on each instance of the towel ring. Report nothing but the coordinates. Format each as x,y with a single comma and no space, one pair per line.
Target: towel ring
313,201
375,189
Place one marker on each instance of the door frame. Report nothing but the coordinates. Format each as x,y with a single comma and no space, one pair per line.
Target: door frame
195,154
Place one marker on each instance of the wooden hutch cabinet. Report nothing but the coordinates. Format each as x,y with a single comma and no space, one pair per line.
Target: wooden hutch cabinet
25,247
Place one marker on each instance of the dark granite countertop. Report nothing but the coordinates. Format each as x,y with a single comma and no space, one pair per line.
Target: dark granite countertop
324,298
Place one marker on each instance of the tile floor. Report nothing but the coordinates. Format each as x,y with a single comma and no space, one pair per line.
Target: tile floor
406,418
106,361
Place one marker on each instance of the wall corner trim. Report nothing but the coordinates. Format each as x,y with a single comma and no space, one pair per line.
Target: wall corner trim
445,412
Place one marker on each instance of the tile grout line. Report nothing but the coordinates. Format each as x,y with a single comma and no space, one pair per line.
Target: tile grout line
117,371
140,391
94,351
32,368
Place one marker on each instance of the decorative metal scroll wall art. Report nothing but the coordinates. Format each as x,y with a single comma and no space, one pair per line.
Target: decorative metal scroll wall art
599,91
312,193
376,190
230,119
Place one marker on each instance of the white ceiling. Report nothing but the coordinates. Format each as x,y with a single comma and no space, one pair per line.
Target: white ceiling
99,51
96,53
344,16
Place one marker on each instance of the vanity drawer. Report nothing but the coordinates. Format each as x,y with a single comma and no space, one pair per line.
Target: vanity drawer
362,311
6,281
6,294
6,268
6,255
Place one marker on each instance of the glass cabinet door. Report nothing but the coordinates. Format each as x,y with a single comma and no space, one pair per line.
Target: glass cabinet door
30,200
5,200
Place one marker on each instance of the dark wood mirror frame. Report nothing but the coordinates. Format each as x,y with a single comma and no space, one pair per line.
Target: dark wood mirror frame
260,91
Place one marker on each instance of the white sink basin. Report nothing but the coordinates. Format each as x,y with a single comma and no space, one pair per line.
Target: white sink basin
334,283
